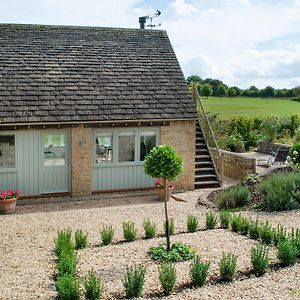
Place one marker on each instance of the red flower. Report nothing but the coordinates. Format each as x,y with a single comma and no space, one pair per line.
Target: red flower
9,194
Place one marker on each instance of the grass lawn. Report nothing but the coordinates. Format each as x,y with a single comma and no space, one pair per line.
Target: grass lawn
250,107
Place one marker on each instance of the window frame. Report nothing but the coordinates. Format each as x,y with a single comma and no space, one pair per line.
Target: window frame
14,169
66,146
115,145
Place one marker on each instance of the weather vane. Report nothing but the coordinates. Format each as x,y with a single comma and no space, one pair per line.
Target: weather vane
142,20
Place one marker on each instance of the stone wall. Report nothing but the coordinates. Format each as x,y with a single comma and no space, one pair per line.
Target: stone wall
269,147
81,161
235,165
181,136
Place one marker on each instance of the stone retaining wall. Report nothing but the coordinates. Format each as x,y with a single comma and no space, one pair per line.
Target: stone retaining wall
235,165
269,147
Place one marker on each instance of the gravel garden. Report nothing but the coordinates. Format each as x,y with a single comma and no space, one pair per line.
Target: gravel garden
246,247
28,243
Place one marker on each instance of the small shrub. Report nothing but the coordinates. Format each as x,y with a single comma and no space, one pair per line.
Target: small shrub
251,179
241,195
265,233
295,152
199,271
107,235
260,259
294,238
279,192
129,231
244,226
236,223
133,281
228,265
67,287
167,277
178,252
279,235
225,218
254,230
287,253
66,264
63,241
149,228
192,223
93,287
225,200
237,196
81,239
171,226
211,220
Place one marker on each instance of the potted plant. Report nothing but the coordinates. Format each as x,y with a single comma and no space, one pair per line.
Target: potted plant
8,200
164,163
160,189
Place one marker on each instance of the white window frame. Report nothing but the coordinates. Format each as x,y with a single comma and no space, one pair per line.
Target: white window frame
115,145
14,169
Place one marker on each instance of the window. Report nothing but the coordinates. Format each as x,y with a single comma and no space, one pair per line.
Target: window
104,147
147,142
126,146
7,151
54,149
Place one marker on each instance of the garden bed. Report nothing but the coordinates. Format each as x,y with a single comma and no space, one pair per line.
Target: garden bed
29,265
110,261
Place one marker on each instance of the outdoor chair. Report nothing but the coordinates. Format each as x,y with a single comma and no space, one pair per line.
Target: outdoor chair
280,157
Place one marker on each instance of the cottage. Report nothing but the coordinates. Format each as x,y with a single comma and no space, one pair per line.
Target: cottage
80,108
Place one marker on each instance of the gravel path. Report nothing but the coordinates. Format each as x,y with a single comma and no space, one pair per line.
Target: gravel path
27,260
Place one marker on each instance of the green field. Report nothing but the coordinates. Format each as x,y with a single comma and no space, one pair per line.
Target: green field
250,107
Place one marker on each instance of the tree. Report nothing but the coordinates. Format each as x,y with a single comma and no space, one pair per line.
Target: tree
222,91
296,91
206,90
269,91
193,78
231,92
163,162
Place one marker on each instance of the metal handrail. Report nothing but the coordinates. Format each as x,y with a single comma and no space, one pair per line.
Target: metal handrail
218,163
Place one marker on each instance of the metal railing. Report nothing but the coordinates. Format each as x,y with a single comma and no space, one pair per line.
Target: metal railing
209,136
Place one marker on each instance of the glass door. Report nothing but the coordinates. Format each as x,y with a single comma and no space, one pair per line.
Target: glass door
55,162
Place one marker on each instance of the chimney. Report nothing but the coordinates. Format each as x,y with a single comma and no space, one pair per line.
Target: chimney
142,21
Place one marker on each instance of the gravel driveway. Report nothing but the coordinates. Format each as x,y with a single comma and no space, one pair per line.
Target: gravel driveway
27,260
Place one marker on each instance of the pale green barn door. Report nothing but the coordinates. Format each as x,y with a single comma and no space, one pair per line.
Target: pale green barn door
54,162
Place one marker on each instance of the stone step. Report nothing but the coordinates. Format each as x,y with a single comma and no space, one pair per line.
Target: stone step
203,164
205,170
205,157
207,184
201,151
205,177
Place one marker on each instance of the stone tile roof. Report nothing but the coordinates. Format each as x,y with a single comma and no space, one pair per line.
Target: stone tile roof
65,73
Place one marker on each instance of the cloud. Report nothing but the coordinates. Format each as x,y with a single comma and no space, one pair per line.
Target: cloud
182,8
259,44
71,12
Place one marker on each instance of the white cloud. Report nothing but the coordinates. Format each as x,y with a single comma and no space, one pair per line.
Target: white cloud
182,8
240,46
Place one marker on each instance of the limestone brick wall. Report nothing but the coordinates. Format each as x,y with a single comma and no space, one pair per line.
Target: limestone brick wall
81,161
268,147
235,165
181,136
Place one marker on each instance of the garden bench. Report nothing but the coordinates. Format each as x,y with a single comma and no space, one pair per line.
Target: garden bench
279,157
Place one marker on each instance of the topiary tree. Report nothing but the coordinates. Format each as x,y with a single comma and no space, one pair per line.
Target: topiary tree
163,162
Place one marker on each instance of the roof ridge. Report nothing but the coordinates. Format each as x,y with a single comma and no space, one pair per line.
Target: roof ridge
74,27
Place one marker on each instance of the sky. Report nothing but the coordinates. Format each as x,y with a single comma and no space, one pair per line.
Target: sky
241,42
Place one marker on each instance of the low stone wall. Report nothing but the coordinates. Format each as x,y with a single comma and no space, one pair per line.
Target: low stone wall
235,165
269,147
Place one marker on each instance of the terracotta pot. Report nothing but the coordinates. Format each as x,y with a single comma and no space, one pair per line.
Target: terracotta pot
8,206
161,193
